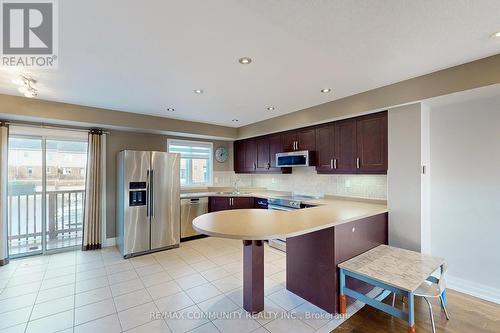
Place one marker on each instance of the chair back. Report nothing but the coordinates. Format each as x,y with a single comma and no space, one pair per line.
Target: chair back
442,278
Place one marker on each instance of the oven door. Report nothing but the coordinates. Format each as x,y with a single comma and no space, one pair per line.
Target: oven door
279,243
276,207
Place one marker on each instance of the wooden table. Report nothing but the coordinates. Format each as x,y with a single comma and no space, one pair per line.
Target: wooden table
393,269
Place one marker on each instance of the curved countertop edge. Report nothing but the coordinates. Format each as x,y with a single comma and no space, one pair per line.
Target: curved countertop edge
376,209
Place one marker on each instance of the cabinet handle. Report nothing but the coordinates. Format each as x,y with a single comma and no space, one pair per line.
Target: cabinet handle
331,163
357,162
296,145
335,163
230,201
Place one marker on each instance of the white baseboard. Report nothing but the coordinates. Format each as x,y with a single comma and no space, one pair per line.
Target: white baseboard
475,289
109,242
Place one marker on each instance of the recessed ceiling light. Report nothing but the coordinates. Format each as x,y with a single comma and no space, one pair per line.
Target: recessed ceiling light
170,109
235,120
245,60
496,34
271,108
326,90
198,91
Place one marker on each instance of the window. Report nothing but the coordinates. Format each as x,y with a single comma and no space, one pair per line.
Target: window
196,161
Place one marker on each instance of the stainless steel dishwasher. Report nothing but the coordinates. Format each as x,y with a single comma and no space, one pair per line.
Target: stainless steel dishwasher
191,208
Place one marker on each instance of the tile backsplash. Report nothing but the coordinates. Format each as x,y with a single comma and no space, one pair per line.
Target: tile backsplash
305,180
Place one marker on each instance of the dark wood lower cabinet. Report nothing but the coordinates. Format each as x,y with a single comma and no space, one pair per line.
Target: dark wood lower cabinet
216,204
242,203
312,259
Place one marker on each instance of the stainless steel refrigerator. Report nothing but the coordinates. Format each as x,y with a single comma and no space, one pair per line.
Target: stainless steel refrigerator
148,201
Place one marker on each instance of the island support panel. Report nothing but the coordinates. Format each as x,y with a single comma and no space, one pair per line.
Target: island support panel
253,275
312,259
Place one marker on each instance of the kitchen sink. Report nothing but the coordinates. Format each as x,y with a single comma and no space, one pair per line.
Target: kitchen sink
233,193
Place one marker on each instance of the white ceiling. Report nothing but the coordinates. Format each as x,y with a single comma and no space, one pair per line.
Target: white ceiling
145,56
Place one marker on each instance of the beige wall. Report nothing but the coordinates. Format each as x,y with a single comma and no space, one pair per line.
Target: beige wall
120,140
467,76
403,176
36,110
465,195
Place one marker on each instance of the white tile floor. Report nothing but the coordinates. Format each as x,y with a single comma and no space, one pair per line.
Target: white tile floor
189,289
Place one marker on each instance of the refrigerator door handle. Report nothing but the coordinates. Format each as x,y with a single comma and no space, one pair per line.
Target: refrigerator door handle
148,199
152,195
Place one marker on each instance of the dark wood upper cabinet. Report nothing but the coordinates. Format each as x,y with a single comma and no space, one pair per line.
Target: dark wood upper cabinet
289,141
345,146
324,148
239,156
306,139
372,143
302,139
250,155
355,145
257,155
275,146
263,162
336,147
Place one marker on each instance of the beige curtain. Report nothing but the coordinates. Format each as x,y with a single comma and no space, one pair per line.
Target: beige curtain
4,249
92,219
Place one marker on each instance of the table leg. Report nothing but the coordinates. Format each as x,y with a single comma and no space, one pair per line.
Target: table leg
411,313
443,295
342,297
253,275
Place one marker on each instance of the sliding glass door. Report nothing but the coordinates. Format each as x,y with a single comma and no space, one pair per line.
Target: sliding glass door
65,191
25,192
46,194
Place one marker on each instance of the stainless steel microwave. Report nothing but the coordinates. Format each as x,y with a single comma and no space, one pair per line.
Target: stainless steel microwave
294,159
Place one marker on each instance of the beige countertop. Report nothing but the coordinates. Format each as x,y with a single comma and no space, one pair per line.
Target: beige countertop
397,267
261,224
244,192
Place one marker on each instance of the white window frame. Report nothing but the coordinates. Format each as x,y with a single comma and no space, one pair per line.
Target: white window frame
210,160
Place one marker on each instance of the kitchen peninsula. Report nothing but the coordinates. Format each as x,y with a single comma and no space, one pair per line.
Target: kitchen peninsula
318,239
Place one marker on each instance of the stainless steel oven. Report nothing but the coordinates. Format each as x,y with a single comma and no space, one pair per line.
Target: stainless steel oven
286,203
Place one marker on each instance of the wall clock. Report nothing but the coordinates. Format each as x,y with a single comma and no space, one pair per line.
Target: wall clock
221,154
